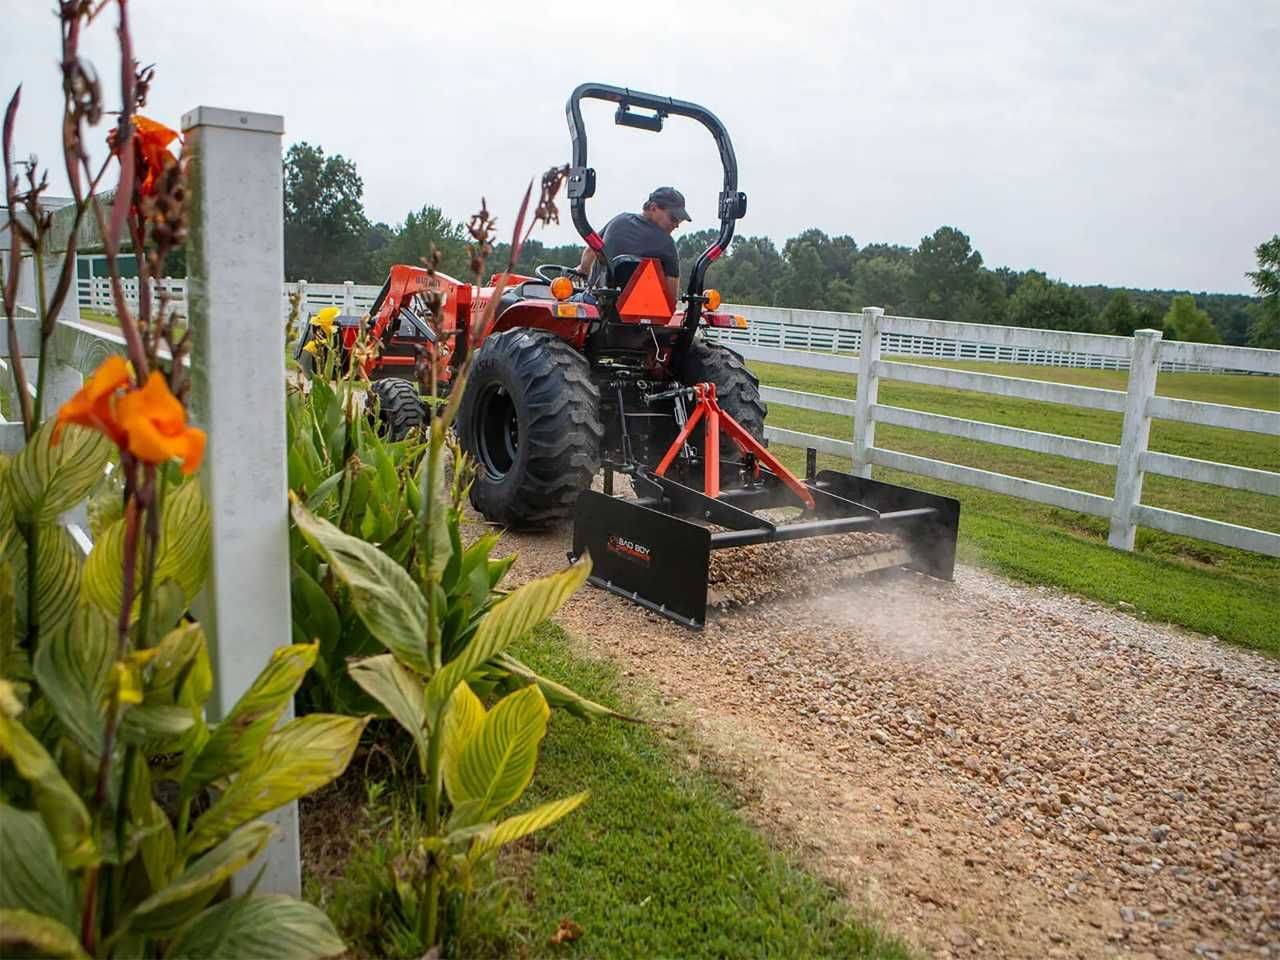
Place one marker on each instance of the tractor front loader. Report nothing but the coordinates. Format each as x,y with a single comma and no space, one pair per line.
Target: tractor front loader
576,377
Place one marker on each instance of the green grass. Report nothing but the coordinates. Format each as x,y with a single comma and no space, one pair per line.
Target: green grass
657,863
1216,590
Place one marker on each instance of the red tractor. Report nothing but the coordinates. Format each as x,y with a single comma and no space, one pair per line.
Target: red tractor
574,377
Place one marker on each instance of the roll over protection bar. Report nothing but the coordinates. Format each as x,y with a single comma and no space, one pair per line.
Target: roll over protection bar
582,178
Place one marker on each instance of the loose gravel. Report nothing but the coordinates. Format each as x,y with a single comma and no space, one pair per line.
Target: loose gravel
995,769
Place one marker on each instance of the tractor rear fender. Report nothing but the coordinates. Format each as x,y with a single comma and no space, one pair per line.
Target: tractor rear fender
568,320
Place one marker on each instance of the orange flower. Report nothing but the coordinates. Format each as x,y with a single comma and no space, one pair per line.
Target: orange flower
156,426
91,406
149,421
153,141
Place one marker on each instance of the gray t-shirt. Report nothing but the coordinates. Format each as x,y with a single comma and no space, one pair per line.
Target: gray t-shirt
633,235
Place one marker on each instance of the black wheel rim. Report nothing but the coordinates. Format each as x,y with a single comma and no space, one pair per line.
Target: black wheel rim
497,430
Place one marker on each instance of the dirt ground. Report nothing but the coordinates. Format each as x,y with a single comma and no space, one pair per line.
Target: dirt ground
996,770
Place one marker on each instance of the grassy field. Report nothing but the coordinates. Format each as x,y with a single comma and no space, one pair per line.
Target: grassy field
1216,590
655,864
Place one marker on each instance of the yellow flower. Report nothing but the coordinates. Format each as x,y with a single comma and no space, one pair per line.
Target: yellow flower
311,347
326,320
127,682
156,426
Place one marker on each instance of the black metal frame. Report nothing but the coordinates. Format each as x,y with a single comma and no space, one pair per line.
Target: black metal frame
656,550
582,179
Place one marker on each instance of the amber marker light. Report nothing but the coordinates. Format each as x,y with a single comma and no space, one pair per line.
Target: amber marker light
562,288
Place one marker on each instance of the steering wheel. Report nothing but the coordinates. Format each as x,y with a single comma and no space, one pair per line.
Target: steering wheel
573,273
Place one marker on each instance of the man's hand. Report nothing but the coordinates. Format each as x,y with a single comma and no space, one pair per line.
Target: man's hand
589,257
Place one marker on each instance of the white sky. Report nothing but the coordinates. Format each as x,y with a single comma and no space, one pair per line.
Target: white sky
1133,144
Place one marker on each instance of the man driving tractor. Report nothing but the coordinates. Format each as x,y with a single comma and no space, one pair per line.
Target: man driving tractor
647,234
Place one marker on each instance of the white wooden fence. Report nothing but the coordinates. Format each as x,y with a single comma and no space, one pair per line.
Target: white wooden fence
237,395
782,327
1144,354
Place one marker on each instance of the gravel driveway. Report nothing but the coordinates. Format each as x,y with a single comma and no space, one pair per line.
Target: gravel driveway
995,769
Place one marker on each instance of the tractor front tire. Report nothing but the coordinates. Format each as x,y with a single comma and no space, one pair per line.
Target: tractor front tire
399,407
530,417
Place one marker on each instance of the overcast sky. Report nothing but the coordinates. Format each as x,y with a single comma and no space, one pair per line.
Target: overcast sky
1133,144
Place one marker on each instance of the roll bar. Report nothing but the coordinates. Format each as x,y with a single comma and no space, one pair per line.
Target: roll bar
582,178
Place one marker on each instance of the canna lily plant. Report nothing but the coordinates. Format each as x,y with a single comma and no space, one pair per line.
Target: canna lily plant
124,809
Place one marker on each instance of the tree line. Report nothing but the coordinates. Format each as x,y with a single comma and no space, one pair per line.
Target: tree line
329,237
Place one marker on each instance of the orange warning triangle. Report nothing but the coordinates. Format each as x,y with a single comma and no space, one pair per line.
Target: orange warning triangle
645,296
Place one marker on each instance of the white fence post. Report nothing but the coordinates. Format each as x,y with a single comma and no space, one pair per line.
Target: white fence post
864,427
1143,367
237,267
348,298
302,301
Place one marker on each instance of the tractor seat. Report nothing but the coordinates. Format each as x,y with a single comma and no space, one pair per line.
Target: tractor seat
529,290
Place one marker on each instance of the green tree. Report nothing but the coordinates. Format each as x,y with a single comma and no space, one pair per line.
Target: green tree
325,227
1118,316
1264,330
804,281
1185,321
1049,305
413,241
882,282
944,268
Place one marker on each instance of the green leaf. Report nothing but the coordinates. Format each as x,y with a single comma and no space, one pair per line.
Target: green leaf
182,555
14,664
180,672
497,762
22,931
300,757
32,878
8,524
505,623
165,911
384,595
272,927
324,489
73,668
44,479
559,696
158,728
58,572
237,739
462,721
400,691
438,547
513,828
63,811
313,611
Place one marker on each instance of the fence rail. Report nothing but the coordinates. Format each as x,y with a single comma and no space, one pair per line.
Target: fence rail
1143,354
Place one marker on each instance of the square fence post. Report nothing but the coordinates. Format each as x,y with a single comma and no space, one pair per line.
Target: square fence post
236,252
348,297
1143,367
864,427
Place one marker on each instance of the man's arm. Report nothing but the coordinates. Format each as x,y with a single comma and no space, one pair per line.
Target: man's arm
673,291
589,257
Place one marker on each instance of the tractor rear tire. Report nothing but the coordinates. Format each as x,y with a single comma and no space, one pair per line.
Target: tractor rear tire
399,407
530,417
737,389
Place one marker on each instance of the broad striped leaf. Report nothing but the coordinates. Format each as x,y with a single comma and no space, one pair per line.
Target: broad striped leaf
32,878
400,691
300,757
73,668
558,695
273,927
182,555
23,933
513,828
45,480
166,910
63,811
8,525
498,760
58,572
384,595
505,623
237,739
462,721
14,663
181,661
